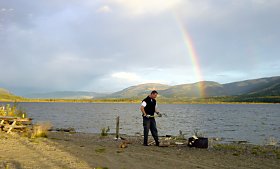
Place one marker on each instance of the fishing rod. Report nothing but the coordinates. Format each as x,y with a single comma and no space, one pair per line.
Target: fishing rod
157,115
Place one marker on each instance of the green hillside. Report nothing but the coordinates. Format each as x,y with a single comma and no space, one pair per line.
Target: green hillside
138,91
259,90
193,90
255,90
270,89
5,95
251,86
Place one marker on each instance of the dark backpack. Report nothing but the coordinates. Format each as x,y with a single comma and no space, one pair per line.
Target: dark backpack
198,142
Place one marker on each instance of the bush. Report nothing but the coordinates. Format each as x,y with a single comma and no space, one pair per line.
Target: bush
15,111
40,130
104,131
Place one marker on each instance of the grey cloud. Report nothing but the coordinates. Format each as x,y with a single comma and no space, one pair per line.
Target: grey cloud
232,35
68,45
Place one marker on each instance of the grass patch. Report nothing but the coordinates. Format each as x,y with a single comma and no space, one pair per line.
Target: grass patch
100,150
104,131
14,111
40,130
236,154
261,151
54,138
227,147
277,153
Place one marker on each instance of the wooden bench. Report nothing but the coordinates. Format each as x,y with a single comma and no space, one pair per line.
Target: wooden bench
6,120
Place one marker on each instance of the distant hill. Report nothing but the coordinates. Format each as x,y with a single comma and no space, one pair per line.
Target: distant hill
254,90
65,95
5,95
138,91
193,90
258,87
253,86
270,88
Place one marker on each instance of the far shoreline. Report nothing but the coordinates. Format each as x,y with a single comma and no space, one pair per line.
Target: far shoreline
121,102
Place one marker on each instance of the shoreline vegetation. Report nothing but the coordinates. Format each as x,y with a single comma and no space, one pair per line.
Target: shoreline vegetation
208,100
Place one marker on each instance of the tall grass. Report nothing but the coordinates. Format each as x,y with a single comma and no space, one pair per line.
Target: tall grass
41,129
104,131
14,110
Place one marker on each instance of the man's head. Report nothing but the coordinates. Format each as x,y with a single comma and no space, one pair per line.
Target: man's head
153,94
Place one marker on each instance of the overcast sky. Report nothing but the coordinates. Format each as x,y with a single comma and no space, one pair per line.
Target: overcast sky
108,45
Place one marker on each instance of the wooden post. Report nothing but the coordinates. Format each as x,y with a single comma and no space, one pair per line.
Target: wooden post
117,127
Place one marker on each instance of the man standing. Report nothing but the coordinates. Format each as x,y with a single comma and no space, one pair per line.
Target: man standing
149,108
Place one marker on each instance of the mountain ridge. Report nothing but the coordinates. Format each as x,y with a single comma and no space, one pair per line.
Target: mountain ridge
65,95
6,95
267,86
210,88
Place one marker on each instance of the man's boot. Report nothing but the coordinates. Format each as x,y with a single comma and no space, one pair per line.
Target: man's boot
157,143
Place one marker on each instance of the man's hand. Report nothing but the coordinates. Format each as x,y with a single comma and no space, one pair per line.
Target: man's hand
159,115
148,116
143,111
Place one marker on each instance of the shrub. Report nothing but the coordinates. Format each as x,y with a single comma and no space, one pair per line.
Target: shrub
104,131
41,130
15,111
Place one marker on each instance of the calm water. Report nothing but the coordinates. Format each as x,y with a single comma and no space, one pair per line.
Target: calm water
252,123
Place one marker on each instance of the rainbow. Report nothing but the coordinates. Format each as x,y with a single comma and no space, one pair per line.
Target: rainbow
192,55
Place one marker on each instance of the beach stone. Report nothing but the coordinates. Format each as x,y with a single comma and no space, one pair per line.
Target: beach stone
71,130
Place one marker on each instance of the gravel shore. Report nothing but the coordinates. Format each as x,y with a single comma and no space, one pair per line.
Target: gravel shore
81,150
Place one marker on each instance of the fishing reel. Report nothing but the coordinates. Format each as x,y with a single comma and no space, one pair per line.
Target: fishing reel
158,114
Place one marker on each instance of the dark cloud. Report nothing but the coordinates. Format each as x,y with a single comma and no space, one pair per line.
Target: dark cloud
78,45
236,35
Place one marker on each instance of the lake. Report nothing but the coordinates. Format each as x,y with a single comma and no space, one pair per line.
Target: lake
254,123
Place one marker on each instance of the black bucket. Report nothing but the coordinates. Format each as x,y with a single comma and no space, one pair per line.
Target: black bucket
200,142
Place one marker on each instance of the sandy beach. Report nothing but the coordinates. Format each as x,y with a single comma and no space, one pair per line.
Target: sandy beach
80,150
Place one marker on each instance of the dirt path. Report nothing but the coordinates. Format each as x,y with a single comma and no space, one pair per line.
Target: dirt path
20,152
64,150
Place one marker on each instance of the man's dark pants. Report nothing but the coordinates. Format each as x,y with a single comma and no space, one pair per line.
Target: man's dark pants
150,124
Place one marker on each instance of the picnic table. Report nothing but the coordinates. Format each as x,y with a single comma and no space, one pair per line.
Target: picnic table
8,123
